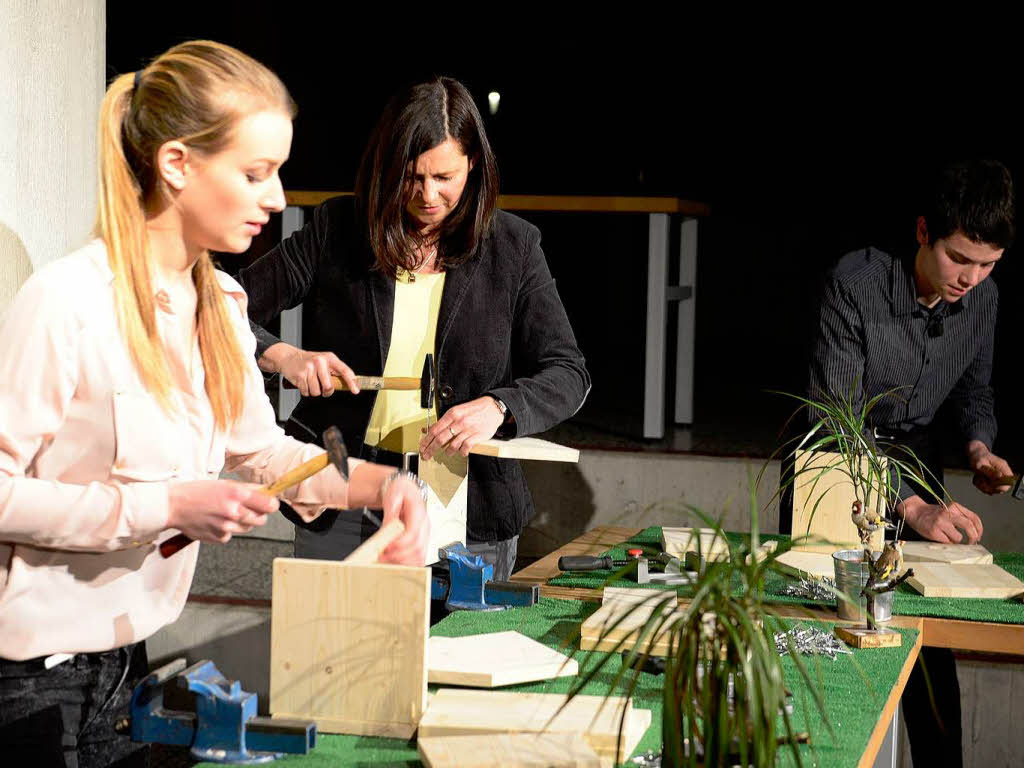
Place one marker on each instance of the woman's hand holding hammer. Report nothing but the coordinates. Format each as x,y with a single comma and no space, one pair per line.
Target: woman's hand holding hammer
215,510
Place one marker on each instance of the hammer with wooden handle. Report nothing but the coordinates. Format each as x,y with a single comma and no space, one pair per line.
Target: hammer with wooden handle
425,383
1015,480
335,454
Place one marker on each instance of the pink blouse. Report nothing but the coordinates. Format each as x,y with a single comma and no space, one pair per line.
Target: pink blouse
86,458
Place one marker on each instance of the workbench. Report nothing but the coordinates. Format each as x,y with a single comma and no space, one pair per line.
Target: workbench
861,719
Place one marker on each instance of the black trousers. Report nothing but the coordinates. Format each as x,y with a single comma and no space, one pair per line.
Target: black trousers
64,717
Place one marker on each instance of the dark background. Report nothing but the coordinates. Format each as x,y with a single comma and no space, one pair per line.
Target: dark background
807,140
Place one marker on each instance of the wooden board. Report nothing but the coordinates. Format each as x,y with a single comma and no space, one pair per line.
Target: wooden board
829,522
817,565
495,659
952,580
933,552
617,624
859,637
526,448
508,750
349,645
465,712
678,541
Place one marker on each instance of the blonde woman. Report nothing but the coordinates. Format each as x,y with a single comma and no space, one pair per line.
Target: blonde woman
127,382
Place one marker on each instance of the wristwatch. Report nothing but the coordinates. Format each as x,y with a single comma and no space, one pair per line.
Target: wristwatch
501,407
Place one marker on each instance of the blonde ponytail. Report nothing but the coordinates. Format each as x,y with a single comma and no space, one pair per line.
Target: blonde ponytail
194,93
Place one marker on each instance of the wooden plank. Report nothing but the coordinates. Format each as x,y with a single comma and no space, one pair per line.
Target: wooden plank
951,580
349,645
495,659
565,203
511,750
867,759
817,565
933,552
829,522
465,712
369,551
983,636
530,448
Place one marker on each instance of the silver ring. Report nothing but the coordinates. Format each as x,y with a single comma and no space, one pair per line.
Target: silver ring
454,433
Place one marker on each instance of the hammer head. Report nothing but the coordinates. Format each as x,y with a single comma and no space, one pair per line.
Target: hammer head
427,383
336,450
1018,492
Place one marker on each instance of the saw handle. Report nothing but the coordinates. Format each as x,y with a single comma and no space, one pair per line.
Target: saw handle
588,563
289,479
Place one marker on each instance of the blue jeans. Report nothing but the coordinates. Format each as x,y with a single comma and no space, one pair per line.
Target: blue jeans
65,716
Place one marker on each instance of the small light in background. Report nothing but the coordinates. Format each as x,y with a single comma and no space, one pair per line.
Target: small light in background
493,99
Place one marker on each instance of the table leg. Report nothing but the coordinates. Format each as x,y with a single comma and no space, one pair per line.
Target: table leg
292,220
657,308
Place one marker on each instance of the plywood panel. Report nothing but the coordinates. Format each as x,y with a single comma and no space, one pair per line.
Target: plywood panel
462,712
349,645
495,659
511,750
950,580
933,552
526,448
822,506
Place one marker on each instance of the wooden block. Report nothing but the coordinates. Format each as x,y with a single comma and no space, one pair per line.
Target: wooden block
952,580
462,712
817,565
496,659
829,521
526,448
511,750
349,645
859,637
617,624
933,552
678,541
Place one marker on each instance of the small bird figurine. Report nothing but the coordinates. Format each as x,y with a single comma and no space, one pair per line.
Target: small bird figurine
888,565
867,521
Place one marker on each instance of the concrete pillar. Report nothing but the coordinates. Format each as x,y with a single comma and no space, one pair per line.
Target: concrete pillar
52,59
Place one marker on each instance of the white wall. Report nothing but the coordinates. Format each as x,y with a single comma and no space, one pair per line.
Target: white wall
52,59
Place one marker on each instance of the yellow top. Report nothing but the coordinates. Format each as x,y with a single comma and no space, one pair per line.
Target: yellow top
397,417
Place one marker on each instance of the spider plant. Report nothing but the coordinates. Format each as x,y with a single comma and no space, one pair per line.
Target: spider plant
724,695
840,433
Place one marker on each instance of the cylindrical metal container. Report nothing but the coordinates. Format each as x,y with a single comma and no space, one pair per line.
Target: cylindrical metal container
851,575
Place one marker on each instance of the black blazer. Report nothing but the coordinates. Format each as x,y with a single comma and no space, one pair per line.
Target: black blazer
501,330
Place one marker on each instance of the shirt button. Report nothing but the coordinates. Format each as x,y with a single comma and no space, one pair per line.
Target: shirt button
446,392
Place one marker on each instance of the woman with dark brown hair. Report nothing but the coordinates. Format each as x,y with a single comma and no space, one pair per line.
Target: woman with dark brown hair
421,261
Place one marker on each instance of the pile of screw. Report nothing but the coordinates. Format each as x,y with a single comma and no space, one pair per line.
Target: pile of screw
809,640
812,589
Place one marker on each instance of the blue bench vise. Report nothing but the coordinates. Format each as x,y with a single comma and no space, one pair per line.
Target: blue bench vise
467,584
199,708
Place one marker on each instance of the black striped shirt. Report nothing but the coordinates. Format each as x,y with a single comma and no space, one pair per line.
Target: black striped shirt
873,330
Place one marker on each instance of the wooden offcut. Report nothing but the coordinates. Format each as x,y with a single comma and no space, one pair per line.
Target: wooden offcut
349,645
829,524
678,541
816,565
952,580
859,637
933,552
465,712
617,625
493,660
508,750
526,448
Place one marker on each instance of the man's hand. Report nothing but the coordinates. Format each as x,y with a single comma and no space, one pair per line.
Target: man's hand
462,427
988,468
942,522
310,372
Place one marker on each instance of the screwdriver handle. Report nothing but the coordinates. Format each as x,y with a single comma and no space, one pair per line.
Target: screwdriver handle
587,563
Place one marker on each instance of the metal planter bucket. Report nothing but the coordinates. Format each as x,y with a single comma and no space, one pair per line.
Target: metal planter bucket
851,575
